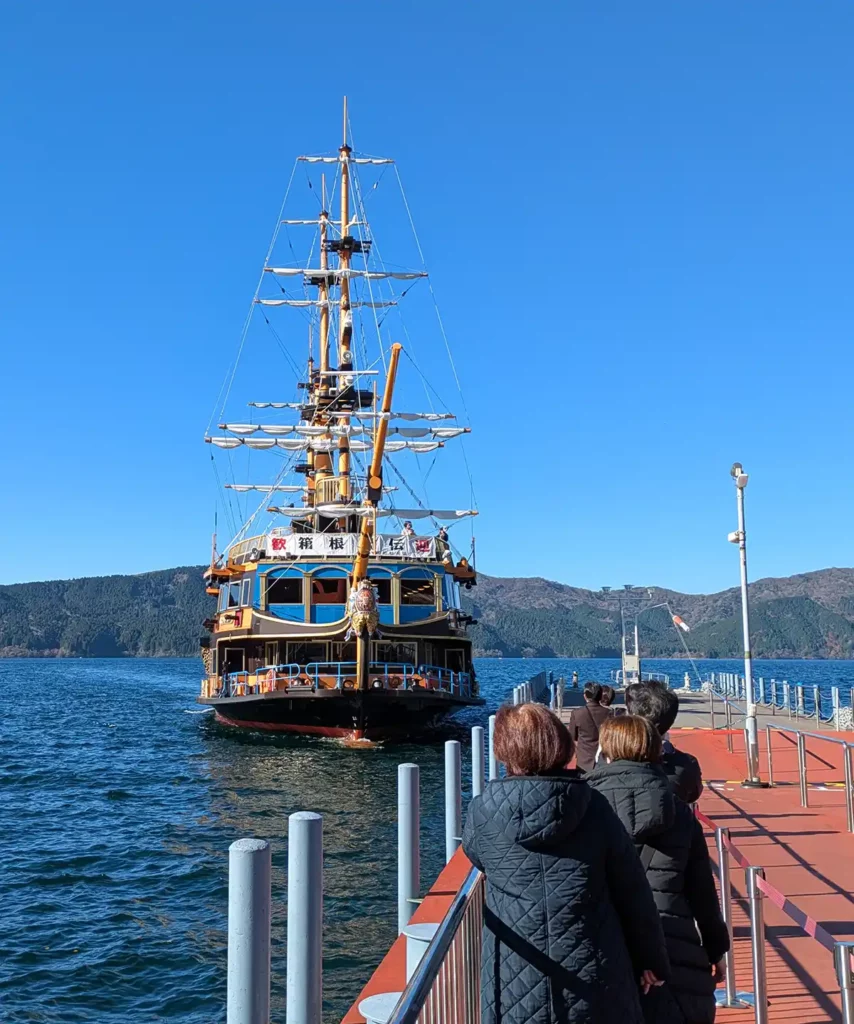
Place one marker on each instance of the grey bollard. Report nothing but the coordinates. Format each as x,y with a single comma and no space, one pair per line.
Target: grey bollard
757,944
418,939
305,918
842,958
493,761
476,760
248,995
408,842
800,706
453,799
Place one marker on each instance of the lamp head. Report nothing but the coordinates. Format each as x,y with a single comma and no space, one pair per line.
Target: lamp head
738,475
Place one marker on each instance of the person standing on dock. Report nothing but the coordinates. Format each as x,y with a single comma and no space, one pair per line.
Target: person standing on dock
585,725
660,705
673,851
570,927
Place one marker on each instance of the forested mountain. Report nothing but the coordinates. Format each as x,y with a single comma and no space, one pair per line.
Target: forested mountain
160,614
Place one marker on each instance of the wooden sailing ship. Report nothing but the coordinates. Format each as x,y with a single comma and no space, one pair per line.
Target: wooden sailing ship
326,622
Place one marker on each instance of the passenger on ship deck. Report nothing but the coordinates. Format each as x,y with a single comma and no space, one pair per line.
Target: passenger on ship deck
660,705
443,545
585,724
675,857
408,534
570,928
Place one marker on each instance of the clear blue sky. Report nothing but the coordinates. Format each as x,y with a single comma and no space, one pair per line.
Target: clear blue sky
639,219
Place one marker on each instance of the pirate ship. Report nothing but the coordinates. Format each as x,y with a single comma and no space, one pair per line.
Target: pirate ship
334,615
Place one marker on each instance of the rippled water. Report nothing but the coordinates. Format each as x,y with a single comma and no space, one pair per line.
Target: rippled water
117,807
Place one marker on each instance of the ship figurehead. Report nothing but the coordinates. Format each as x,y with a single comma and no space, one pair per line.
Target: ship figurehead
363,612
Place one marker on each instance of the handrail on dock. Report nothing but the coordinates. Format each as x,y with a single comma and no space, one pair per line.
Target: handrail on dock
445,986
758,886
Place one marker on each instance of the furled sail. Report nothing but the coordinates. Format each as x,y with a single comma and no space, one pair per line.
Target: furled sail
352,159
322,303
336,274
266,488
401,513
336,430
298,444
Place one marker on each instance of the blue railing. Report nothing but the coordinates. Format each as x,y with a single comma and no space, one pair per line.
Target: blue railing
384,675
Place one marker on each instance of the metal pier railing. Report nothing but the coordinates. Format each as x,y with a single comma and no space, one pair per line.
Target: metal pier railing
445,987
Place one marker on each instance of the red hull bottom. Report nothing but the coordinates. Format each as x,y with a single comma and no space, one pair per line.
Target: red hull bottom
334,731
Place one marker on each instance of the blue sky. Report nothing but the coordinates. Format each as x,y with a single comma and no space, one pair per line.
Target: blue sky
638,219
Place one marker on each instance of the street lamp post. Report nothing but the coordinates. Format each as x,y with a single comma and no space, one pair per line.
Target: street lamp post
751,731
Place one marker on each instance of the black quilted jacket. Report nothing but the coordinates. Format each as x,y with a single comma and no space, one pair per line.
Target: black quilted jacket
681,878
570,922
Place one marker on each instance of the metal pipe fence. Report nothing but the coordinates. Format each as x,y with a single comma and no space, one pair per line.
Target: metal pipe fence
445,987
758,889
801,738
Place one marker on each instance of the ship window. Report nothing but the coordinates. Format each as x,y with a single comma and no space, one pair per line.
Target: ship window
233,595
417,592
329,591
284,590
305,654
223,598
382,585
244,592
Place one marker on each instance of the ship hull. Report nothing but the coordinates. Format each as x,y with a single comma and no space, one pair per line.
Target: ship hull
372,715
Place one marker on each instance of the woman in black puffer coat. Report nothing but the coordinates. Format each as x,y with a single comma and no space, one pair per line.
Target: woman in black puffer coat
674,853
571,933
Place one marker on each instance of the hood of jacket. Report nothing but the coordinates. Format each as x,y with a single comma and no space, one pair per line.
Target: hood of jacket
537,812
639,793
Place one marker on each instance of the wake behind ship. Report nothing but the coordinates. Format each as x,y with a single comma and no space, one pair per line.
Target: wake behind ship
335,616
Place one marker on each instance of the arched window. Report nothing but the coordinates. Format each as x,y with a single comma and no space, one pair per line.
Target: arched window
329,586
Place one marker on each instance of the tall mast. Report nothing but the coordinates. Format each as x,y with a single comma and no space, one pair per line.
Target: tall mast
345,316
375,473
324,285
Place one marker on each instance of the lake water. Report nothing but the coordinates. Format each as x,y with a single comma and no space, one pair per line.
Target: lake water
117,807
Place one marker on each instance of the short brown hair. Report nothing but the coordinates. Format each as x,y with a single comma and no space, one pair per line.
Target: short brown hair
630,738
530,740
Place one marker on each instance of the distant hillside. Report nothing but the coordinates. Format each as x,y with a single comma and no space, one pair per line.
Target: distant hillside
160,614
805,616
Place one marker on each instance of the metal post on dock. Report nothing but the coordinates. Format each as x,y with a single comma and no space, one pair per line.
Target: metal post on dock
712,705
762,690
842,957
757,943
733,997
787,697
493,763
849,786
305,918
248,973
408,842
773,696
728,712
816,693
768,735
802,769
800,706
476,760
834,705
453,799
